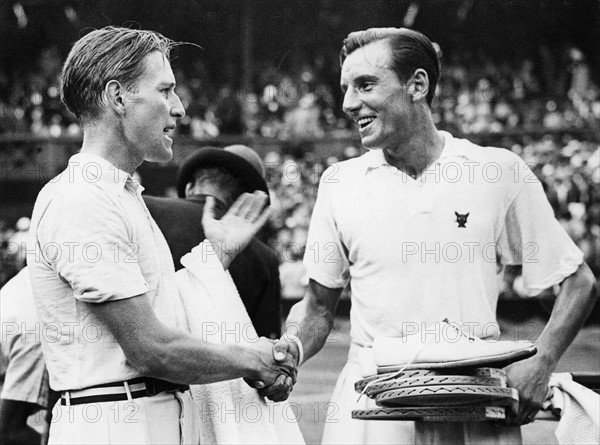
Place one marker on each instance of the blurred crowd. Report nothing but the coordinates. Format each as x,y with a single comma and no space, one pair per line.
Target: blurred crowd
475,95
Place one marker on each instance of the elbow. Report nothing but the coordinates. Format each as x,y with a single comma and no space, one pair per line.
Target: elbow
141,364
585,290
149,358
151,365
144,368
156,372
588,282
594,292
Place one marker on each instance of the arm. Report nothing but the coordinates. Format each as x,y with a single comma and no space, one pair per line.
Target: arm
530,377
530,222
311,320
13,422
158,351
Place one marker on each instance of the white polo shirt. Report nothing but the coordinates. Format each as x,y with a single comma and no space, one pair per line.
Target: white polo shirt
95,242
411,261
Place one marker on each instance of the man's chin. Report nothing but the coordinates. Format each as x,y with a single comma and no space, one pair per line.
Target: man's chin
369,143
164,156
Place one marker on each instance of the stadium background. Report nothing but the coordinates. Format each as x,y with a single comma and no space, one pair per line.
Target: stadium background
519,74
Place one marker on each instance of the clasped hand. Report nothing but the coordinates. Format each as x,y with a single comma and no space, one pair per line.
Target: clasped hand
277,373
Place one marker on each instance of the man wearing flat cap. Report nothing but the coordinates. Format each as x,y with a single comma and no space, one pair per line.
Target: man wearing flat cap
224,173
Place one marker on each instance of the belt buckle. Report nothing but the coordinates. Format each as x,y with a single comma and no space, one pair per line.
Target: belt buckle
151,389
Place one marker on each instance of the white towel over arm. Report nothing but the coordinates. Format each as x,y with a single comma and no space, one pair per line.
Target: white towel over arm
230,412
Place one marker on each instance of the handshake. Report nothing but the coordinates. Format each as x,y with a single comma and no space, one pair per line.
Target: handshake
277,367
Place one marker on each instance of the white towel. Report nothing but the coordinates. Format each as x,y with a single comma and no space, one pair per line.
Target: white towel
579,409
229,412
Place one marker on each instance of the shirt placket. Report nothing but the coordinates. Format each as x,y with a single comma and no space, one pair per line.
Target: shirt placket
135,189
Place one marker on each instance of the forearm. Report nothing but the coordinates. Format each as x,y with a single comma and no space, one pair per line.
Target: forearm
312,318
573,304
178,357
312,327
530,377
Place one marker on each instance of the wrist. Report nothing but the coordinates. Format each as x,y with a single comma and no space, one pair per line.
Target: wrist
251,363
225,257
548,352
547,359
297,347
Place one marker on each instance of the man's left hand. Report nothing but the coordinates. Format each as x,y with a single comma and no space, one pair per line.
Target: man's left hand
530,377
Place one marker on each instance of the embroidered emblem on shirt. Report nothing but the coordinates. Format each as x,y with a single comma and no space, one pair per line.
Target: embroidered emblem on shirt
461,219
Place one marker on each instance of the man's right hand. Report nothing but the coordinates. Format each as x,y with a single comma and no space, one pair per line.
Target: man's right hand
274,379
283,347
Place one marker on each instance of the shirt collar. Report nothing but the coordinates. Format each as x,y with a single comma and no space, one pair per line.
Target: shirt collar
95,169
452,149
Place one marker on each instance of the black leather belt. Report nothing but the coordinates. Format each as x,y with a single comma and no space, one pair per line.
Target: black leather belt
112,392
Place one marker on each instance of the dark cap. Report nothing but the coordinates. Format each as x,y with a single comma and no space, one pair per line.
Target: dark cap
242,161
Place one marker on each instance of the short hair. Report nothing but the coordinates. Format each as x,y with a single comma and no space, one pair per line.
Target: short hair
410,50
221,178
110,53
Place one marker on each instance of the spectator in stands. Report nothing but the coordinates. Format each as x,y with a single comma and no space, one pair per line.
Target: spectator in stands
225,174
19,242
304,121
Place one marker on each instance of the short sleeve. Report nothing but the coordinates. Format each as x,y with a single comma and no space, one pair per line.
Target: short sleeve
87,240
534,238
26,378
325,258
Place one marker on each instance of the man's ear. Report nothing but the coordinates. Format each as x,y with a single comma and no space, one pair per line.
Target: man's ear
188,189
419,85
115,96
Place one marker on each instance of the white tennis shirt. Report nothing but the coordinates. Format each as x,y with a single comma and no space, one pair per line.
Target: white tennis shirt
95,241
416,251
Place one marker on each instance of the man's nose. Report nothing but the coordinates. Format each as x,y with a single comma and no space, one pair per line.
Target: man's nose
351,102
177,110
